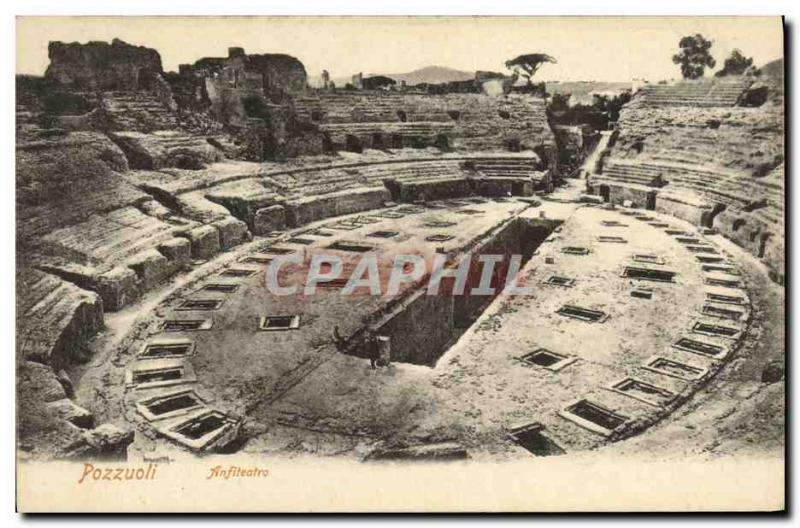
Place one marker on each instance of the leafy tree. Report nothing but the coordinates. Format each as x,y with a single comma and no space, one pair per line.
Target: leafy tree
378,82
559,102
736,64
694,56
527,65
614,105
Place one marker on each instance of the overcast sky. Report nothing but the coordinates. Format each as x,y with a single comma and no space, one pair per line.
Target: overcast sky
601,49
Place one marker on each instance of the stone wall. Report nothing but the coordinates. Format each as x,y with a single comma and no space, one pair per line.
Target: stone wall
685,208
273,76
306,210
421,329
102,66
421,325
434,190
281,74
268,130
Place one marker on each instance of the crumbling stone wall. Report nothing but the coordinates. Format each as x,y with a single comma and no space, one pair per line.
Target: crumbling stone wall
102,66
276,134
281,74
249,95
275,76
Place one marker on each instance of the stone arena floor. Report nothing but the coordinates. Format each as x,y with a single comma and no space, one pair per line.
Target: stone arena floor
598,352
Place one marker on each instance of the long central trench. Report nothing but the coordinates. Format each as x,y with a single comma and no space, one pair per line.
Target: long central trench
422,327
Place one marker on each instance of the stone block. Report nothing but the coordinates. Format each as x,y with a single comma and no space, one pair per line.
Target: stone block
117,288
177,250
39,381
268,219
232,232
66,409
204,241
306,210
434,190
151,268
106,442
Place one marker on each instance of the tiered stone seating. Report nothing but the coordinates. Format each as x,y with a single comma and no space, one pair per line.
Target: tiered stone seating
416,128
166,148
140,111
364,107
744,208
24,115
772,187
477,122
734,138
700,146
632,173
395,176
493,123
149,133
54,318
706,182
245,198
695,93
64,164
414,170
54,321
503,176
64,179
320,180
113,236
507,167
82,220
26,122
692,136
262,199
766,194
692,155
106,194
125,252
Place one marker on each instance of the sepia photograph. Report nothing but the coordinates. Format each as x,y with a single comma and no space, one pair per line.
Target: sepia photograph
400,264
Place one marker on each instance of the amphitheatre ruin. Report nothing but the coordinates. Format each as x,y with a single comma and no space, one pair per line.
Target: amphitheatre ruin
151,204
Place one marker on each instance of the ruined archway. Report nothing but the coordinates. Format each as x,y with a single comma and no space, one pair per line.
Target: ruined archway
708,219
353,143
605,193
651,201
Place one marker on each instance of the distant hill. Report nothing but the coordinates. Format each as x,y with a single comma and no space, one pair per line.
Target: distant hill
428,74
773,68
432,75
